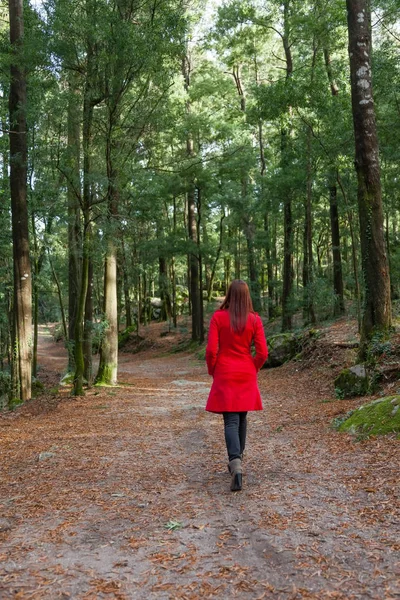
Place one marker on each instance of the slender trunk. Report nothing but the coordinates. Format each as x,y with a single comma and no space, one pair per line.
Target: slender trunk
80,366
22,339
201,311
60,300
74,233
88,328
270,270
79,323
388,250
377,304
248,225
353,251
237,253
309,311
336,255
339,308
175,311
194,268
128,311
287,287
287,267
166,305
194,275
108,364
35,289
214,267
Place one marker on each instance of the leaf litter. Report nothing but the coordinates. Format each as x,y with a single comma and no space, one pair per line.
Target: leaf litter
135,501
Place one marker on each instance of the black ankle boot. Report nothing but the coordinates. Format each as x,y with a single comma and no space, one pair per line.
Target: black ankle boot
235,469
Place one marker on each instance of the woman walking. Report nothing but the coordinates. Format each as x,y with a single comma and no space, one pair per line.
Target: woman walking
234,391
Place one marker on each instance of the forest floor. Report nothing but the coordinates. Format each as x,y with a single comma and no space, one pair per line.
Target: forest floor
124,493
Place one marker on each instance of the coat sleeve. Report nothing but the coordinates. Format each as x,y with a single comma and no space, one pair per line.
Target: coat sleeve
260,344
212,346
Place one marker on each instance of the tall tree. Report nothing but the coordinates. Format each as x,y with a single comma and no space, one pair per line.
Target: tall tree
22,338
377,304
194,270
287,310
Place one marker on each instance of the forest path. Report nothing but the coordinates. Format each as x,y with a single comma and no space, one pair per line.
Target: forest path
124,493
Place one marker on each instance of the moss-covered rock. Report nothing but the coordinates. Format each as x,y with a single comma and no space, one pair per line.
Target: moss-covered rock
281,349
352,382
379,417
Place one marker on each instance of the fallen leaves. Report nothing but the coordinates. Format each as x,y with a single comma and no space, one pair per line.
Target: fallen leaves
138,495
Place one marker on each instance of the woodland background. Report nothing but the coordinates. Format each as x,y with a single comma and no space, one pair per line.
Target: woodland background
157,150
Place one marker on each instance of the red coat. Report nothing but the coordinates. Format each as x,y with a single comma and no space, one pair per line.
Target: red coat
232,366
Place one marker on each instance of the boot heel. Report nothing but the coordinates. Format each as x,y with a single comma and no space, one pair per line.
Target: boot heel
236,483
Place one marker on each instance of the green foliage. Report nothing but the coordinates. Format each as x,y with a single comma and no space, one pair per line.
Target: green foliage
5,389
124,336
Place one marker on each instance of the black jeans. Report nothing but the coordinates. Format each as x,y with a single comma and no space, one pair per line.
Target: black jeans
235,424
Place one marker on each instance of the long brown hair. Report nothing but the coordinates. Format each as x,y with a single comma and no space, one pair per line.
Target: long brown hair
238,302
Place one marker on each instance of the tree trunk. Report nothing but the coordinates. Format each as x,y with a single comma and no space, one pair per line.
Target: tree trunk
248,225
377,304
128,310
287,287
270,270
339,308
166,306
74,233
108,365
336,255
201,312
88,328
194,268
22,339
214,267
308,266
173,276
353,250
60,300
194,275
79,323
86,242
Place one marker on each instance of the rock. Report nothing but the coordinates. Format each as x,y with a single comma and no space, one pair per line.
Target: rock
378,417
45,456
281,348
352,382
5,525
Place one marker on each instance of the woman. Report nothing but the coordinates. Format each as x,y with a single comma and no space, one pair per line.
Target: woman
234,391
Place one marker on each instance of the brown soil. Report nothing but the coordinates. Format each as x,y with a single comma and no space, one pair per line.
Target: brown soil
132,500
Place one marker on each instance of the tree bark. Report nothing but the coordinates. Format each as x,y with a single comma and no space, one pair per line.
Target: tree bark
214,267
108,365
248,225
22,340
74,233
88,327
194,275
128,310
377,304
339,308
86,242
287,287
336,254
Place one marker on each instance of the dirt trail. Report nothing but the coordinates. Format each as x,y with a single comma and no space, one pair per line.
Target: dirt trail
132,498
